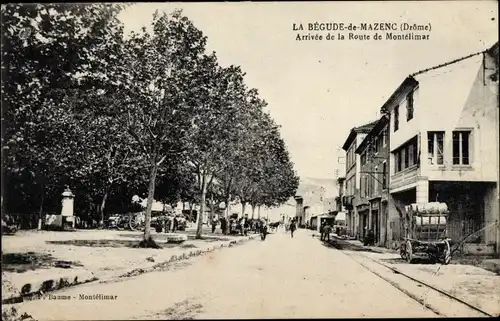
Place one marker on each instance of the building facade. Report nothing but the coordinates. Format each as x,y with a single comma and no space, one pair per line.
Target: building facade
351,197
374,181
443,122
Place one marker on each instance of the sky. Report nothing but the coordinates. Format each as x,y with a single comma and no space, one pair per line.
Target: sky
318,90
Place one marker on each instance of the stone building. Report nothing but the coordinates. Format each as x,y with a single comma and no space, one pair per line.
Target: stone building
443,121
374,178
351,197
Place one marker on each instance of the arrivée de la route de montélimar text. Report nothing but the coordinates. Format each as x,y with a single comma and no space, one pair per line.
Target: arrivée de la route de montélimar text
318,31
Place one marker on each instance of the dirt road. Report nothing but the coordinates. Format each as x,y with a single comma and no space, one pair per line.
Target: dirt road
281,277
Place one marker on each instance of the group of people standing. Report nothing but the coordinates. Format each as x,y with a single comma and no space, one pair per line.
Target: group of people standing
171,223
238,226
243,225
325,230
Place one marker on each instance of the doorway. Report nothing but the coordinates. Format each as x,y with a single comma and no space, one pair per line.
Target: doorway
364,226
376,226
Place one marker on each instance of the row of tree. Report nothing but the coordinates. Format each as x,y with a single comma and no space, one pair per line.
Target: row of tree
114,115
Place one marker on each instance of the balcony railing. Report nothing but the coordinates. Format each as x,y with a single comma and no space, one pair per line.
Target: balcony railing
406,176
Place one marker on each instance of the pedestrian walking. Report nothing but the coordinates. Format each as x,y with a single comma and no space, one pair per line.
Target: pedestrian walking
246,225
293,227
327,231
214,224
263,229
175,223
167,223
322,231
223,225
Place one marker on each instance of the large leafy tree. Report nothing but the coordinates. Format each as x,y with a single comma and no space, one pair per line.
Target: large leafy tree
269,179
154,100
109,114
45,48
216,124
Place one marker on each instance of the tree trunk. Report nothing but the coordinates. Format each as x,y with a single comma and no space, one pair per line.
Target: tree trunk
228,204
253,211
212,209
40,212
199,225
103,204
191,208
151,193
228,212
243,205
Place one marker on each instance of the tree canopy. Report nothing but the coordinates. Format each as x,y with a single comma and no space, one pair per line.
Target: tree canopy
149,113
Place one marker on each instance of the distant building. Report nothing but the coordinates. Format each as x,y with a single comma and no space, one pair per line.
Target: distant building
374,181
352,180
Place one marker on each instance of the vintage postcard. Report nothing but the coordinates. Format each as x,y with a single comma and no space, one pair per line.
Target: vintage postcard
250,160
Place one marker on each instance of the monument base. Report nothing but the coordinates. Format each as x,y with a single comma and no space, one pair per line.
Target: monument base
60,223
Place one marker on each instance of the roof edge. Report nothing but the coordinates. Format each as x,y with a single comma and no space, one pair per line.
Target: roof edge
447,63
409,82
366,128
349,139
383,120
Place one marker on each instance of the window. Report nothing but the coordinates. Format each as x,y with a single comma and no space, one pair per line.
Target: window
416,157
404,157
376,184
409,106
375,144
384,175
363,158
366,185
351,156
411,153
384,137
396,118
398,161
435,147
461,147
407,155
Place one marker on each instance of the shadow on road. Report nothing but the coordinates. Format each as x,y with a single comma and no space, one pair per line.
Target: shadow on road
416,260
345,246
114,243
22,262
190,236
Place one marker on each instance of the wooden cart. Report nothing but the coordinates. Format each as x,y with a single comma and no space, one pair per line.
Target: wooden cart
424,230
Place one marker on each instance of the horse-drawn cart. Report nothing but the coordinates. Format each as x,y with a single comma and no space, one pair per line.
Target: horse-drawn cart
424,230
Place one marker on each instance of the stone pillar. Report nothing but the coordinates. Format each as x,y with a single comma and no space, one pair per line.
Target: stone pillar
67,209
422,191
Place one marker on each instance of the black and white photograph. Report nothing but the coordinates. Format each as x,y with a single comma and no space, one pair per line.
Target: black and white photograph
250,160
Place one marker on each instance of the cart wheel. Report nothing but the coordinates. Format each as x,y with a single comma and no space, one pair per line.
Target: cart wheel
402,251
409,252
132,223
447,253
